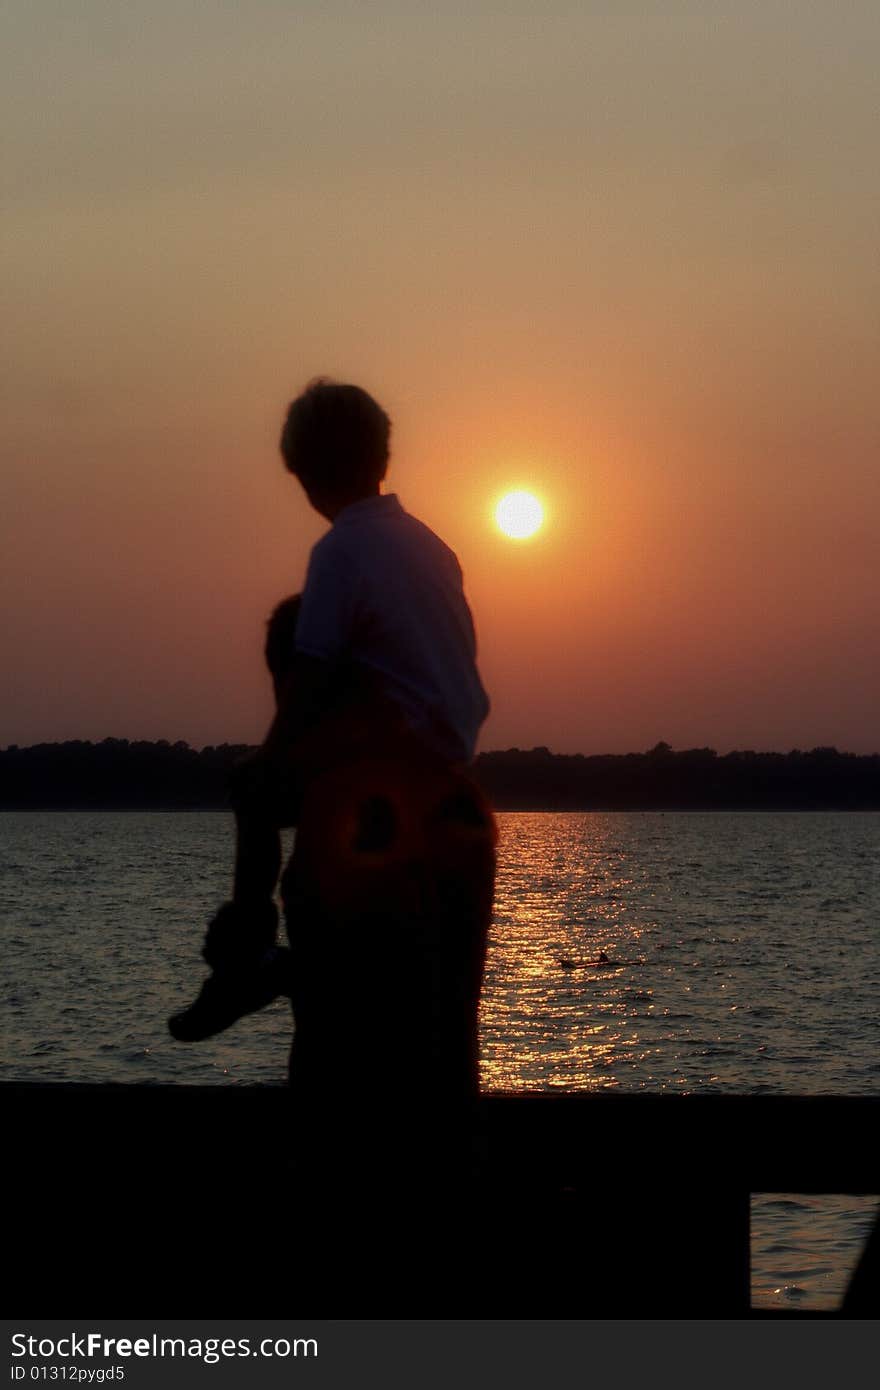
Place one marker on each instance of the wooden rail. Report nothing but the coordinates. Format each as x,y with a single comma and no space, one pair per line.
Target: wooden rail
184,1201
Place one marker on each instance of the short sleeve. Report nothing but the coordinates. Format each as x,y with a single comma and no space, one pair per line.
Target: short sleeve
329,598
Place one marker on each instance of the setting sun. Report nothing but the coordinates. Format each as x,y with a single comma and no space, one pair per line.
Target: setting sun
519,515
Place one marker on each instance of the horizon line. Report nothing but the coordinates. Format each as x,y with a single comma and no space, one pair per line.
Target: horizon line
661,748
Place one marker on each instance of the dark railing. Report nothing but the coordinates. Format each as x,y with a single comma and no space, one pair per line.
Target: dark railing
178,1201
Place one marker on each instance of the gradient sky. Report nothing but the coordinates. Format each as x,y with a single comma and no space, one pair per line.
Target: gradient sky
626,254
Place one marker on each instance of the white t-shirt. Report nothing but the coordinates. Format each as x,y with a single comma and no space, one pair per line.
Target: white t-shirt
384,591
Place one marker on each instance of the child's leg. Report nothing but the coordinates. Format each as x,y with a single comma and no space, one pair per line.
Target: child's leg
258,803
244,929
257,856
249,969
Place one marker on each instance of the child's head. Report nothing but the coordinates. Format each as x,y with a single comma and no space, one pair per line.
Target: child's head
335,441
281,640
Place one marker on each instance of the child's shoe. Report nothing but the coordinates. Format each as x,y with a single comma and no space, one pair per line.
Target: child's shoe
228,995
245,977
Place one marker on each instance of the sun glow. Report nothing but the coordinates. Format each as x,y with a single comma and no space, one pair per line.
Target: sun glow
519,515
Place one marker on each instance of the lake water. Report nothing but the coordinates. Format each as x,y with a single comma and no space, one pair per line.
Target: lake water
743,956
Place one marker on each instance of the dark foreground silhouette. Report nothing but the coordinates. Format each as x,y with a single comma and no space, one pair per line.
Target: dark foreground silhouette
586,1206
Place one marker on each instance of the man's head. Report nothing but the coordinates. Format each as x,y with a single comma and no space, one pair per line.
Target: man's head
335,441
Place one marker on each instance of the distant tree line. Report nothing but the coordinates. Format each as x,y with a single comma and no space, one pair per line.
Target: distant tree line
116,774
693,779
121,775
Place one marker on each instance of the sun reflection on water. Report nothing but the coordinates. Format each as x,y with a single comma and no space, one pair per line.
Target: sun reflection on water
568,980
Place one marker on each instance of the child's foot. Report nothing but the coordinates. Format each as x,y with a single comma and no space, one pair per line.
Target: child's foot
228,995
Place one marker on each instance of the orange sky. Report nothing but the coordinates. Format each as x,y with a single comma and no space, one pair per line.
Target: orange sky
626,255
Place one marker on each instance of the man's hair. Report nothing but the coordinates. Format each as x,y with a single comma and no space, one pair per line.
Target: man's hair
336,437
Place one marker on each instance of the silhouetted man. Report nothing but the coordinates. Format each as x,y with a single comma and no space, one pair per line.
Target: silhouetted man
379,707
